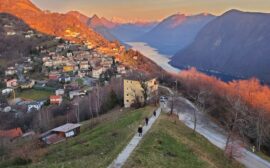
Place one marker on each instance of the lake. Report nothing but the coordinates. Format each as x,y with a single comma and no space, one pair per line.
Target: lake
154,55
163,61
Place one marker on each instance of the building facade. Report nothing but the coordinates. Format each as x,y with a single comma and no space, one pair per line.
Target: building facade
133,91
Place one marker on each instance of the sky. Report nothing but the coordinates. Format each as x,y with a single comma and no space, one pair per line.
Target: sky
151,9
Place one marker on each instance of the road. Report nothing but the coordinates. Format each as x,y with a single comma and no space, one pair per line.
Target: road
215,134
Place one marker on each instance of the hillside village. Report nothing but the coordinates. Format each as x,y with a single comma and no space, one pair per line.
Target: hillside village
61,71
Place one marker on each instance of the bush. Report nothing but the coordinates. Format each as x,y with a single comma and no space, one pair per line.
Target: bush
21,161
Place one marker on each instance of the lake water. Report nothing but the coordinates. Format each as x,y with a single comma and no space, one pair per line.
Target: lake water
154,55
163,61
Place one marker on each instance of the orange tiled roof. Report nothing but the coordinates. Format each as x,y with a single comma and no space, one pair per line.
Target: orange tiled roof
13,133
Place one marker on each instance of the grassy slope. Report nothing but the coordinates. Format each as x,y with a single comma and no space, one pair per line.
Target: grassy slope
171,144
96,147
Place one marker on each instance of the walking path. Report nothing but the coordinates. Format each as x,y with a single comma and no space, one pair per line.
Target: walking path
123,156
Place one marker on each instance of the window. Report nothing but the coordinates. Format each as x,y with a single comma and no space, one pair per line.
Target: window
127,101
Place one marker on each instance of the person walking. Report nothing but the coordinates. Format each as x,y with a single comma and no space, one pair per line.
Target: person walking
140,130
146,121
155,113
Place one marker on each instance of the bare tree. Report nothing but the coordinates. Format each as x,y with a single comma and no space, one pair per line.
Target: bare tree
200,102
145,91
234,121
172,103
261,129
90,105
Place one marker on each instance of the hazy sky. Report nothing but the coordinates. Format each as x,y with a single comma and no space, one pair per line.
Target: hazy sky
151,9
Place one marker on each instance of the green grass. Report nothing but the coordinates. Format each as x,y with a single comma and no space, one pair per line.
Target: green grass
34,94
98,145
171,144
264,156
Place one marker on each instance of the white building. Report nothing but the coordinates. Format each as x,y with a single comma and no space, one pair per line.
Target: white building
59,92
96,72
10,71
34,106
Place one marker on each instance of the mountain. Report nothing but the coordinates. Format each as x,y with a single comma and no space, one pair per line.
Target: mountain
81,17
123,32
71,28
175,32
130,31
14,45
102,26
63,25
236,43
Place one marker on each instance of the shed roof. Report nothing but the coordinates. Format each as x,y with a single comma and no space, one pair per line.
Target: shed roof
66,128
13,133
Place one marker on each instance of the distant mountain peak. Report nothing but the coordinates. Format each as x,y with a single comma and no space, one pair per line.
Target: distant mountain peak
95,16
96,21
83,18
174,20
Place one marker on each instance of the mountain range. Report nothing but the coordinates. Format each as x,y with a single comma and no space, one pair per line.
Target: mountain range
72,26
236,43
175,32
112,30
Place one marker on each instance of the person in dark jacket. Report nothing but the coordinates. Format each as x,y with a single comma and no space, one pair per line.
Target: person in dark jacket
146,121
155,113
140,130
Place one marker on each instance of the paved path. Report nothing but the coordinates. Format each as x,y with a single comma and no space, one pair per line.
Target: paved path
214,133
123,156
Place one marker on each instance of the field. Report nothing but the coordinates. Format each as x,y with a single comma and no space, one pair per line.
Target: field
98,144
34,94
171,144
168,144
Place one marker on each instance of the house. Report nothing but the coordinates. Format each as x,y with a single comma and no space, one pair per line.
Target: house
7,91
35,106
94,62
10,71
69,54
84,65
48,63
121,69
56,99
107,61
54,76
74,93
11,33
133,90
64,79
11,134
60,133
27,68
28,84
12,83
59,92
96,72
68,68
